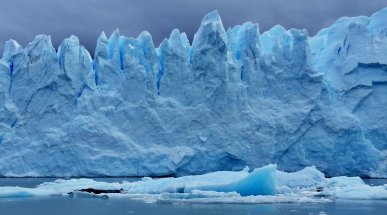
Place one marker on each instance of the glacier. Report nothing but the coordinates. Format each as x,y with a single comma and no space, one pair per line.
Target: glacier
227,100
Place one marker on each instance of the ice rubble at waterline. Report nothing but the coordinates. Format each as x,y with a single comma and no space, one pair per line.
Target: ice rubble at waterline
261,185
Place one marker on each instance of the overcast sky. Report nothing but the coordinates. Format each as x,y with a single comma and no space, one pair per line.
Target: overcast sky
23,19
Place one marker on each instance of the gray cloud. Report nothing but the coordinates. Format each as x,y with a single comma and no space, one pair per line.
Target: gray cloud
22,20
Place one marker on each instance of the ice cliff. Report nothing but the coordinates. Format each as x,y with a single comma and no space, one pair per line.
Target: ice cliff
230,99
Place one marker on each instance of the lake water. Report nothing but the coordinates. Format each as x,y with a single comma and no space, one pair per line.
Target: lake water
58,205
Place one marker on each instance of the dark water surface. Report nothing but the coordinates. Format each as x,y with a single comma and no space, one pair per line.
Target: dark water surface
96,206
58,205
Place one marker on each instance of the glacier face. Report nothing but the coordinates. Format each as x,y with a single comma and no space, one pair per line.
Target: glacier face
230,99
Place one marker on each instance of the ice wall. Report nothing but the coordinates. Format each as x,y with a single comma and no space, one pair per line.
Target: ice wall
230,99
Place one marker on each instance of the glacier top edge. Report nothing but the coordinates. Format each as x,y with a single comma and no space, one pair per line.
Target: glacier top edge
376,22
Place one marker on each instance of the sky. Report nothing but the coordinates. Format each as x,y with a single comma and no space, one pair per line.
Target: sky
22,20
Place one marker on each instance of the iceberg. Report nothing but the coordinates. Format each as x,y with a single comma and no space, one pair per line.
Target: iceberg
228,99
261,185
258,182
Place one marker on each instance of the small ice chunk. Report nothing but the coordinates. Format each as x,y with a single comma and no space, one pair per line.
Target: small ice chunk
309,177
260,181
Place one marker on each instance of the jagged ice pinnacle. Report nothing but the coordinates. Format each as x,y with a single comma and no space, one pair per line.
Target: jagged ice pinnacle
230,99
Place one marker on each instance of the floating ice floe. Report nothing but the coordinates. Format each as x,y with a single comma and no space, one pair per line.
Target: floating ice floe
261,185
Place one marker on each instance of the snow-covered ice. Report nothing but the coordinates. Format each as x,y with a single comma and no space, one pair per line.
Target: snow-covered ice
231,98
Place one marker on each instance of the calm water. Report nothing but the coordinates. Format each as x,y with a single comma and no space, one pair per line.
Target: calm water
58,205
